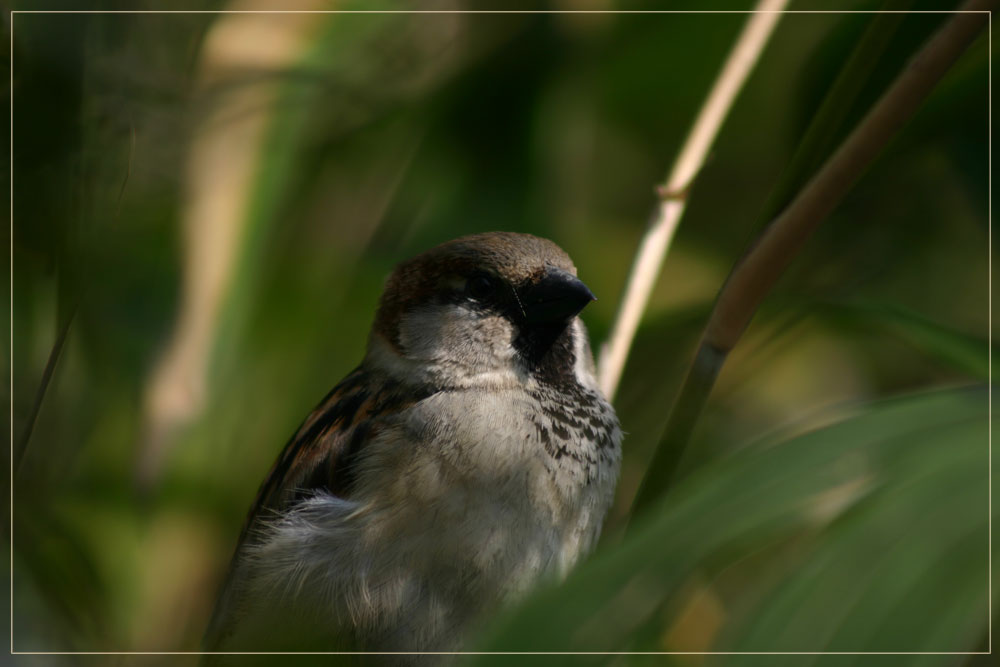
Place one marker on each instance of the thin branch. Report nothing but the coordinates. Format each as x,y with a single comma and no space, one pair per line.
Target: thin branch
753,277
827,126
657,239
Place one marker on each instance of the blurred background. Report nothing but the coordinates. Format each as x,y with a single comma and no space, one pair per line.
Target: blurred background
205,207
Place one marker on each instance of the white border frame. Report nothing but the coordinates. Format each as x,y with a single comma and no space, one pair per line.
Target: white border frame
989,249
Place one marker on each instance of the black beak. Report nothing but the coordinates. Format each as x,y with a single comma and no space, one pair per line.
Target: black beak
554,299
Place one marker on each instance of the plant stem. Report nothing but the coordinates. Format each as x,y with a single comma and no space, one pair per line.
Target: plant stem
656,241
43,386
827,125
754,276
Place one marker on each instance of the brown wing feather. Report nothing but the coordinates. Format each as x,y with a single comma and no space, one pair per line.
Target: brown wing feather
309,461
319,457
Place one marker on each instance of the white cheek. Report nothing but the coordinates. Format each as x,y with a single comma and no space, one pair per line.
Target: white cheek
583,366
456,335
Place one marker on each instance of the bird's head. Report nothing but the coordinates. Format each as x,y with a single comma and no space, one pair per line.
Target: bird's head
485,308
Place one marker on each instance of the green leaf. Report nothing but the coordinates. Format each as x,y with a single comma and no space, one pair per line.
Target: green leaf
51,556
338,41
961,351
874,569
898,561
827,125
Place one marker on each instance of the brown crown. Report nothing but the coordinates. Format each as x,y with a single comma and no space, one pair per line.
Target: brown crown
517,258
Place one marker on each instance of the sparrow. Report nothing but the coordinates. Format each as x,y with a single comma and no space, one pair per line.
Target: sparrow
469,457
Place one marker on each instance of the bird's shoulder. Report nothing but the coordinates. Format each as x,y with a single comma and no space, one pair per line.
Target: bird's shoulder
321,456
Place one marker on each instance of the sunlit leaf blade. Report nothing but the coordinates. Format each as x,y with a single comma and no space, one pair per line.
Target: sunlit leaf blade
900,555
961,351
336,40
918,465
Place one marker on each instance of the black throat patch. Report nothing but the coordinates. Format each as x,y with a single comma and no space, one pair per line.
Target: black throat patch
550,353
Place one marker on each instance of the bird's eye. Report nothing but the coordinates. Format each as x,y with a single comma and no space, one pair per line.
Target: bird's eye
480,286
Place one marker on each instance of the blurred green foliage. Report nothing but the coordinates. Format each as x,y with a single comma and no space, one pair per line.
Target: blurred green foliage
386,134
844,528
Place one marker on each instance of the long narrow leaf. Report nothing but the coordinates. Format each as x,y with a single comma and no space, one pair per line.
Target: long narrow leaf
909,450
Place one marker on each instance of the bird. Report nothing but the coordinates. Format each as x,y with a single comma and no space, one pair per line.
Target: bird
469,458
